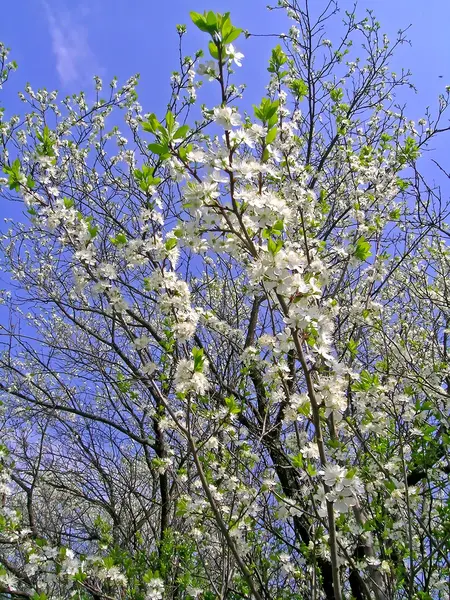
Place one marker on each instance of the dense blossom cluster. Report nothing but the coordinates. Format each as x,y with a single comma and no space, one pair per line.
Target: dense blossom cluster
225,359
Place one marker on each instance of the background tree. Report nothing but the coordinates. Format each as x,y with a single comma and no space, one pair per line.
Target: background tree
224,362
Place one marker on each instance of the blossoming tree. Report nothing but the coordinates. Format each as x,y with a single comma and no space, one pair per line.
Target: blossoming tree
224,341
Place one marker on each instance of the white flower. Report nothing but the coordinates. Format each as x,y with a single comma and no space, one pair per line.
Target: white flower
70,565
117,301
226,117
187,380
155,589
86,255
385,566
141,342
286,564
294,410
332,474
197,156
344,490
245,136
107,271
208,68
234,55
184,330
342,500
53,191
211,444
149,368
8,580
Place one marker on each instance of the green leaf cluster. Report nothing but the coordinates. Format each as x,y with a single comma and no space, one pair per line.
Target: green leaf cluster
409,152
299,88
119,240
15,177
337,94
266,112
366,382
277,60
217,25
199,359
45,148
274,246
164,134
170,243
145,178
362,249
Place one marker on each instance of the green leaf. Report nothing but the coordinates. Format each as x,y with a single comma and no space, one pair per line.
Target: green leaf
184,151
394,215
15,177
273,120
93,230
232,405
299,88
46,148
272,134
199,359
297,461
337,94
362,249
171,243
274,246
277,59
232,36
211,19
352,347
278,228
213,50
366,382
181,507
266,111
119,240
311,470
152,124
181,132
159,149
208,22
199,21
410,151
402,184
170,121
272,109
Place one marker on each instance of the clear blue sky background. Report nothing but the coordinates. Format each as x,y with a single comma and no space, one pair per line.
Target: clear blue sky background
61,44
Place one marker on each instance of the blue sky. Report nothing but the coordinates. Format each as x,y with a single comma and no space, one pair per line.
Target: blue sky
61,44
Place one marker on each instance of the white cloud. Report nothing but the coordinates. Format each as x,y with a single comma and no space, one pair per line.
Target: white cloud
75,61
